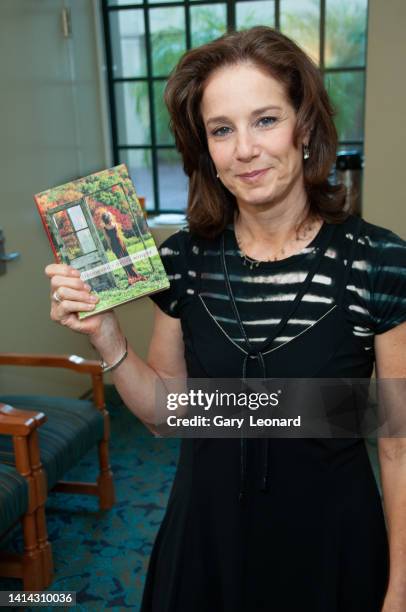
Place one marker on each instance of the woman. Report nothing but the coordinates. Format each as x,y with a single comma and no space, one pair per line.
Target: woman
116,243
272,278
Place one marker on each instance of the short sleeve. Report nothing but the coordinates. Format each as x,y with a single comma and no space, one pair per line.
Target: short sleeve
388,299
172,253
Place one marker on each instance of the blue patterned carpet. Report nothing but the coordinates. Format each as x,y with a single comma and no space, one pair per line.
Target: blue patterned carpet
103,556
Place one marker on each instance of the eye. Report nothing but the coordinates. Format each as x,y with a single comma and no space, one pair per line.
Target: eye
266,121
221,131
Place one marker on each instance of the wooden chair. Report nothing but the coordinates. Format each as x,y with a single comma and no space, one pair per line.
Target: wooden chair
23,495
58,406
72,428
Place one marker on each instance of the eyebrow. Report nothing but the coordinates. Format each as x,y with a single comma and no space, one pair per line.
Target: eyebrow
255,113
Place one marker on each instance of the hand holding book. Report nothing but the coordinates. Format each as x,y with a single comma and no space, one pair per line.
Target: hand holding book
70,295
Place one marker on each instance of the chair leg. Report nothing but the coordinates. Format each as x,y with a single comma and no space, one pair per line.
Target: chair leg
44,547
105,482
32,573
32,560
40,481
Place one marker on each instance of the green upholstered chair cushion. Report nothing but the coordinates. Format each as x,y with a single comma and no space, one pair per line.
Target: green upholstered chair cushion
13,496
73,427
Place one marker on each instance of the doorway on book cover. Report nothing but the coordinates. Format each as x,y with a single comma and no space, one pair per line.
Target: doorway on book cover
79,242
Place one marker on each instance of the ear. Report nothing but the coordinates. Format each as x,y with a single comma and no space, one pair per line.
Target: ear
307,136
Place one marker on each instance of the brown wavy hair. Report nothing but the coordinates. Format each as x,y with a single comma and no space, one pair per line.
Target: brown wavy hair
210,205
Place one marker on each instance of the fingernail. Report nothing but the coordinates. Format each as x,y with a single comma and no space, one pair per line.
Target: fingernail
88,287
94,298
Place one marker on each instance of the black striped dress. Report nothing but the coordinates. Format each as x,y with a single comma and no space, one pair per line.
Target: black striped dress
278,525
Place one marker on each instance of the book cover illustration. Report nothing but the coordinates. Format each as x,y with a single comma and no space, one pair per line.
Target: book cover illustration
96,225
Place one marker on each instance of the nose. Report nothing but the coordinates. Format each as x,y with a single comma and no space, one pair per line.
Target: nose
246,146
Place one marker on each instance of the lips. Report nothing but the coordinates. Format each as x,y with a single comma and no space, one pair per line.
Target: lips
251,176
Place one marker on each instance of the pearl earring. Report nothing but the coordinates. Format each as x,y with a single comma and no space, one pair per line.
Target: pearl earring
306,151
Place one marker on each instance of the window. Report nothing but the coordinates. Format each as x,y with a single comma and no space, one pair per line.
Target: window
144,40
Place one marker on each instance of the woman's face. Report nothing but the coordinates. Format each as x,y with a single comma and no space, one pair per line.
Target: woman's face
249,124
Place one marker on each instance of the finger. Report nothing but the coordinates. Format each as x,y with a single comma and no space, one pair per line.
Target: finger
74,295
59,282
72,321
62,269
66,307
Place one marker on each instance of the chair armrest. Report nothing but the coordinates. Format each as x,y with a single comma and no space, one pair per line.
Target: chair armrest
70,362
22,426
19,422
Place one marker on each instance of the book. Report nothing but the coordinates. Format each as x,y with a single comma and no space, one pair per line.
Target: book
96,225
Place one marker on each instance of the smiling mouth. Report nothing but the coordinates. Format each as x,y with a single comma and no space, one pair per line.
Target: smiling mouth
249,176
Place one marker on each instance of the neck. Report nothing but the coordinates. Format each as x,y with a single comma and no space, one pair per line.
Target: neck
277,231
272,225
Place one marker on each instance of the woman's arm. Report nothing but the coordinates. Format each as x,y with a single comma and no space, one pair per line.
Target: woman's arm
390,349
135,379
